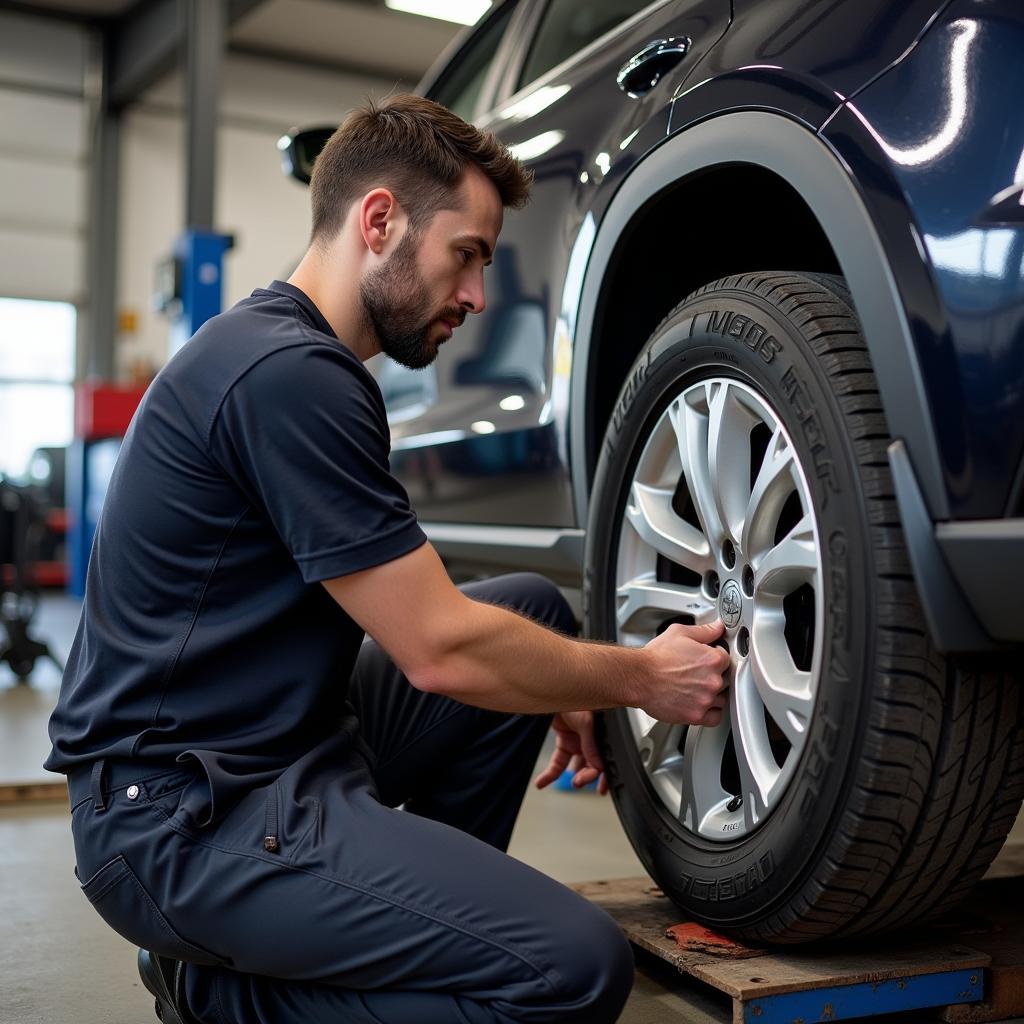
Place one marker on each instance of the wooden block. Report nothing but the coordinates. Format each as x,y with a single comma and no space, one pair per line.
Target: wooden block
19,791
744,973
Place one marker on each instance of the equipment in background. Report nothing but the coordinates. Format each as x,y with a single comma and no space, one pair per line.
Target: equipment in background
22,528
189,283
102,415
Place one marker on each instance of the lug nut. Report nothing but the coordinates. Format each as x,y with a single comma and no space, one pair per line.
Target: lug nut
711,583
743,641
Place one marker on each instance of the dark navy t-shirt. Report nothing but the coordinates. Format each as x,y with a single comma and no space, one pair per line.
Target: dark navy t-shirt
256,466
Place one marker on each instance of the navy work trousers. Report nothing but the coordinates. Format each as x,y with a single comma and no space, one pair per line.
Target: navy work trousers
355,911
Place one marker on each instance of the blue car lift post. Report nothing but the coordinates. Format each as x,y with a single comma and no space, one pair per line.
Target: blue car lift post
929,970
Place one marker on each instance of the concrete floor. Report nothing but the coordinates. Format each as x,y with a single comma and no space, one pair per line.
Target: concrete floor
60,964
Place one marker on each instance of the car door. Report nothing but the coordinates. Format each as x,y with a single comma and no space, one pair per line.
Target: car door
488,444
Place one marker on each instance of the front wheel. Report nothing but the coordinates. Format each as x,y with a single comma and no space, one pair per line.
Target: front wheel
858,779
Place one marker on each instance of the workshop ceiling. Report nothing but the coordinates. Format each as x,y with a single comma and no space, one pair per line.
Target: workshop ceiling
360,36
356,36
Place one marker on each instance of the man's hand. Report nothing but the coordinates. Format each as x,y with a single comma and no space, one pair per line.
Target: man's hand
575,749
688,687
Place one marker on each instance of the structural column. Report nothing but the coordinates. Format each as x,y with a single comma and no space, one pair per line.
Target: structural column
97,357
205,26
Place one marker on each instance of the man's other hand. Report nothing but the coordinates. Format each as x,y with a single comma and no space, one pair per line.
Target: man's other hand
575,749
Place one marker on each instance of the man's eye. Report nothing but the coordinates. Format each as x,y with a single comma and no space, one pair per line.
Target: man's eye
467,255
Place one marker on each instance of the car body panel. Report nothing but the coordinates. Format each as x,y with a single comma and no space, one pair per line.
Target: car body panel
896,126
950,154
463,455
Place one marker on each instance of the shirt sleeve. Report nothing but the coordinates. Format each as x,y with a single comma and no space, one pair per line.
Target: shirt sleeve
304,434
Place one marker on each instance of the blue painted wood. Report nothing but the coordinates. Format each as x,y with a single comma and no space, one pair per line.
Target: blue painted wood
866,999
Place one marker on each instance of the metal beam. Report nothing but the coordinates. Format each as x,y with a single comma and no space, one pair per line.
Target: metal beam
204,58
145,44
143,48
101,247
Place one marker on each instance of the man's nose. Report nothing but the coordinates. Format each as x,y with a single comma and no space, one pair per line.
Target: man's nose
471,297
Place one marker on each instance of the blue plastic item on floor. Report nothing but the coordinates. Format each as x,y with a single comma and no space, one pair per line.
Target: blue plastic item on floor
564,781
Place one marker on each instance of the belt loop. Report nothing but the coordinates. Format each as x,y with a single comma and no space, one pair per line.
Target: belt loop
98,796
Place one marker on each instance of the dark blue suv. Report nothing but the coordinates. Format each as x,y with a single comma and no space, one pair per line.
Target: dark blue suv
755,350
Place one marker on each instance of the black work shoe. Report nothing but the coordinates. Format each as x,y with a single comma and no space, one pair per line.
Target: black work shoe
165,979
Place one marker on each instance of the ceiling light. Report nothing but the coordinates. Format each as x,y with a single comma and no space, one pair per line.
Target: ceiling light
462,12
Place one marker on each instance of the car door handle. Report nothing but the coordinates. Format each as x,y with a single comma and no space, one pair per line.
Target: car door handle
640,74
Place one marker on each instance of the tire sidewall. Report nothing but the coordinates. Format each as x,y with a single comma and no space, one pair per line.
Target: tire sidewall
734,333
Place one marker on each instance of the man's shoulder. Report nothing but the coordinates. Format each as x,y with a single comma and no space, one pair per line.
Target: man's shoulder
264,325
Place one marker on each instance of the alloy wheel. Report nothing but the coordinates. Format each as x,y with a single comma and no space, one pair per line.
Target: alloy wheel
718,523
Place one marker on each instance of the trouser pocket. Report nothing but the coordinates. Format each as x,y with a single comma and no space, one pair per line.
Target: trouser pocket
124,903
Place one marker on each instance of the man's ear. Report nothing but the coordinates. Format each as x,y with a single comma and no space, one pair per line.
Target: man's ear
380,220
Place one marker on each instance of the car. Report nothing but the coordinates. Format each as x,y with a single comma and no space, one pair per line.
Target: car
755,351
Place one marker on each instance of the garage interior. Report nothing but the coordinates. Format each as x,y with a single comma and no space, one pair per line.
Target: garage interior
105,157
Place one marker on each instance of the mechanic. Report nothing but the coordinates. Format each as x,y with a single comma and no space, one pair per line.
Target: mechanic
236,754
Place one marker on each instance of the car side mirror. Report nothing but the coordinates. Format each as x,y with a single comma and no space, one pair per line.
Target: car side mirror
299,150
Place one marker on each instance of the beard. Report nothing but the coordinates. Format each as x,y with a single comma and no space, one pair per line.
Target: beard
394,297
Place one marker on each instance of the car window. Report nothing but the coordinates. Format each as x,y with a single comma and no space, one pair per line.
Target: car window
568,26
460,89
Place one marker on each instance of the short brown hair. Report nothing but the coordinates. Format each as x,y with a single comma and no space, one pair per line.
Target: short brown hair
416,148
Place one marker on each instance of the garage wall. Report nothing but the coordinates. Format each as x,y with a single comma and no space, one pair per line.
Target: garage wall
43,153
267,212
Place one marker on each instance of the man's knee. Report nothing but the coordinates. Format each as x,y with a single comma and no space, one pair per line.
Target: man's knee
542,600
596,969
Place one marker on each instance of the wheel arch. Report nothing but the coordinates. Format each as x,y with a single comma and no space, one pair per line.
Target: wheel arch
834,231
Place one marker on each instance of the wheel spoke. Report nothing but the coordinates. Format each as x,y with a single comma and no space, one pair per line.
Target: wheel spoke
659,748
702,791
772,486
650,513
691,427
729,426
790,563
758,769
784,689
644,603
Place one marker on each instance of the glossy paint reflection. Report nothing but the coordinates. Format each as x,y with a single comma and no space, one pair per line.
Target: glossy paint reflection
951,154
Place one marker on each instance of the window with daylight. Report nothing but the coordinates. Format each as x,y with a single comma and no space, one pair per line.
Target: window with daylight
37,368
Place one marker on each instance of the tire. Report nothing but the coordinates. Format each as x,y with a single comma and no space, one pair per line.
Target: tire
882,781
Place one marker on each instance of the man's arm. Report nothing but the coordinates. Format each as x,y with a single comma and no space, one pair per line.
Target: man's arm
490,657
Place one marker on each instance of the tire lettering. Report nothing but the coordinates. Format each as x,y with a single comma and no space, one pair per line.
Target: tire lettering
742,328
810,423
838,579
822,751
720,890
629,393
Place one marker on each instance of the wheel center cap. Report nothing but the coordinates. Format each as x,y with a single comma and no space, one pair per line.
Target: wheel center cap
730,603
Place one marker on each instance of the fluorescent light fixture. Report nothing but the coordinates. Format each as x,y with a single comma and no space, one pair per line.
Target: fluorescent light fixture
604,162
512,403
462,12
482,427
537,146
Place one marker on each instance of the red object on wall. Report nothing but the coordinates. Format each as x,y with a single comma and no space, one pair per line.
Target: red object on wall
103,409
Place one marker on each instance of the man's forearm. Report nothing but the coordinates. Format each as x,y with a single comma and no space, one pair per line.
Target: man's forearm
506,662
